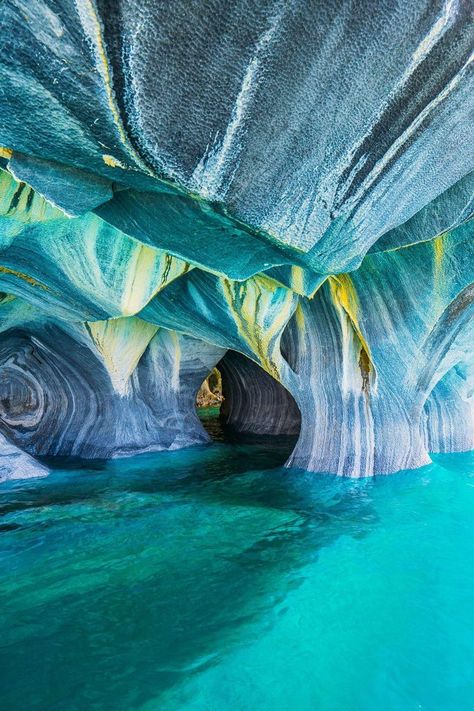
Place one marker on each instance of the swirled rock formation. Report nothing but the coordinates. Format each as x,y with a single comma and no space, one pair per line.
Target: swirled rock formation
100,389
288,181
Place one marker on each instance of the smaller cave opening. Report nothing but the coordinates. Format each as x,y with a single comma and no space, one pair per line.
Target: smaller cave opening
209,396
208,405
240,403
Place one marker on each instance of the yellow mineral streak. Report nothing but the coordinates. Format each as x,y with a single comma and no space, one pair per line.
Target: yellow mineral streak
301,329
297,280
121,342
111,161
104,69
439,252
149,272
259,317
344,296
25,277
299,317
142,281
20,202
439,282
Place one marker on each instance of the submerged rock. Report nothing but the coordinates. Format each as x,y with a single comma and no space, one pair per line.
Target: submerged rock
15,464
292,182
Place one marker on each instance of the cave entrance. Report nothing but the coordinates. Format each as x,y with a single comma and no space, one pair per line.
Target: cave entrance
239,402
209,401
209,395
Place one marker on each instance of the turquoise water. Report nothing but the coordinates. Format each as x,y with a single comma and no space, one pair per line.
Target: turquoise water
205,580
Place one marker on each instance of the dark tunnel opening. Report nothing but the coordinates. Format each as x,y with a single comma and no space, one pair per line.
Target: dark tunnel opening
241,403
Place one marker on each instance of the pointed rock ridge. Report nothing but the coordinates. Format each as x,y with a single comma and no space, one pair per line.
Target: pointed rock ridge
121,343
70,189
15,464
248,316
77,268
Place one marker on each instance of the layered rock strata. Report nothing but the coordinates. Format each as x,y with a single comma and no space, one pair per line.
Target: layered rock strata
289,182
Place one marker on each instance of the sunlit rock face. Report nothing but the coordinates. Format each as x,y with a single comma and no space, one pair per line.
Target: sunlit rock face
291,181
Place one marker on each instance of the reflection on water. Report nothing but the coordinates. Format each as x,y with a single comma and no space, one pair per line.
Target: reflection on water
145,583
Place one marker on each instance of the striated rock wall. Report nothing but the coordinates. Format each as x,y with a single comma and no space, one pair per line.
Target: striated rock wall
289,181
75,393
450,412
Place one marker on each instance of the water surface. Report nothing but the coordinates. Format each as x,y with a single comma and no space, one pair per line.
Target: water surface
213,579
